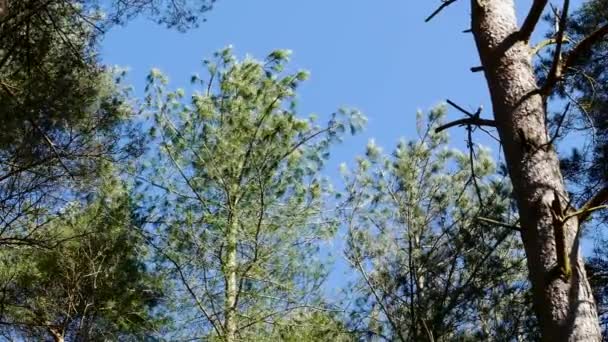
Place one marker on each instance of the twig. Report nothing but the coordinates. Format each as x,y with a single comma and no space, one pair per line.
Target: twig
472,120
498,223
451,103
536,49
394,325
472,163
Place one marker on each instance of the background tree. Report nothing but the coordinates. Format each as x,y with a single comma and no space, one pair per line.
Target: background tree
93,285
431,263
238,215
61,115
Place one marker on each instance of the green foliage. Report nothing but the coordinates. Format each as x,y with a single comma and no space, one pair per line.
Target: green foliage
305,326
92,285
428,268
240,173
586,89
61,113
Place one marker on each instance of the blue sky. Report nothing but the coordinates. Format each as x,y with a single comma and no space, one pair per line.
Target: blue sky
377,56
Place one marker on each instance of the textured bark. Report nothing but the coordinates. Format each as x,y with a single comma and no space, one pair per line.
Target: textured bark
565,307
231,282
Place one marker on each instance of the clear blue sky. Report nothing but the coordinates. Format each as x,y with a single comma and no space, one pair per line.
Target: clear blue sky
377,56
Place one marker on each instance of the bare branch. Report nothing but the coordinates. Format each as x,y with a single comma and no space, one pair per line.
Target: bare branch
51,144
466,122
472,163
445,4
560,65
498,223
555,74
532,19
451,103
357,264
536,49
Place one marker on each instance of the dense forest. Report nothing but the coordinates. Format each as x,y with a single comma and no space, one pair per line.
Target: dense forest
207,211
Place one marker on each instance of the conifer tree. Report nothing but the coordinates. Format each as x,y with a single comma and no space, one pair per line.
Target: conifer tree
238,211
91,285
432,264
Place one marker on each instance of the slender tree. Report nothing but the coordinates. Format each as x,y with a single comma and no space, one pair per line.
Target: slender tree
238,207
432,264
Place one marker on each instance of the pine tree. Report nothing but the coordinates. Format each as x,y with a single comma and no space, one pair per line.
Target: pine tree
61,114
91,285
238,212
432,264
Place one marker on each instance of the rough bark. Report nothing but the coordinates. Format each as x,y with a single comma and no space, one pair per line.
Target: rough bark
231,281
564,306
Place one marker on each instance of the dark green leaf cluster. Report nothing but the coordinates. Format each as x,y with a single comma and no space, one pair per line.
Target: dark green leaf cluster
61,112
92,285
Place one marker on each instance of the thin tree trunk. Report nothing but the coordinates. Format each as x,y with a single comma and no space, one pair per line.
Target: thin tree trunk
564,306
231,282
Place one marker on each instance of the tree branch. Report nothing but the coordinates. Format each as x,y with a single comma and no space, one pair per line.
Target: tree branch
532,19
445,4
559,125
51,144
465,122
594,203
500,224
557,67
585,45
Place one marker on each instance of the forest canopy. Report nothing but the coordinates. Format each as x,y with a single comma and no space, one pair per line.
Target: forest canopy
220,207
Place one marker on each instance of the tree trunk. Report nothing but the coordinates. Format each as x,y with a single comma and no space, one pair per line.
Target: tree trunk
231,282
564,305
